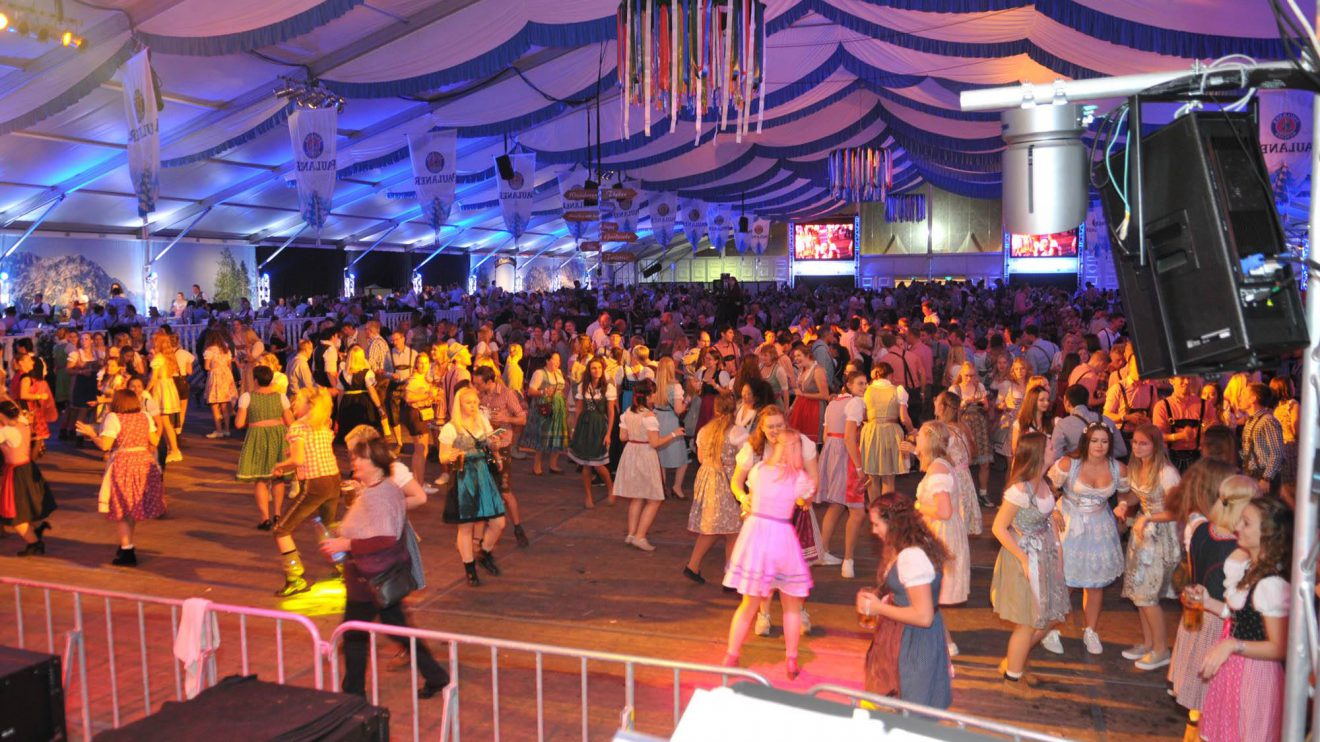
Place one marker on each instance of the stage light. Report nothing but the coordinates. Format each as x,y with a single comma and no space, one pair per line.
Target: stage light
67,38
1045,169
4,21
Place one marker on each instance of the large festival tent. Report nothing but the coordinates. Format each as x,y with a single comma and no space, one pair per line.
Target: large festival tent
528,76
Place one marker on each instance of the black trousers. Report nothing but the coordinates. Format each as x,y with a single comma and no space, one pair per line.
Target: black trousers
356,645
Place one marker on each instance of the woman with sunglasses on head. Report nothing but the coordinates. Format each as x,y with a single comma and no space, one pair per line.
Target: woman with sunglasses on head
1092,555
1153,552
1245,698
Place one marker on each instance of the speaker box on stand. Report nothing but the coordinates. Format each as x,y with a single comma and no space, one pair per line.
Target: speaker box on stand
1209,294
31,696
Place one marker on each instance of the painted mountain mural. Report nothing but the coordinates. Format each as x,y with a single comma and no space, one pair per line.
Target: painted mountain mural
62,280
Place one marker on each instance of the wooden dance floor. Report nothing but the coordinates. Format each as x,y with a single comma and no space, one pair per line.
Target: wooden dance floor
578,585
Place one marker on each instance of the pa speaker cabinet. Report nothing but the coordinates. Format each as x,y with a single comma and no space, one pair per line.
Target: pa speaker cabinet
1210,296
31,696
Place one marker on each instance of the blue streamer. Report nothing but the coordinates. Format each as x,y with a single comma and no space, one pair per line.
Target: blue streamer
75,93
245,41
278,119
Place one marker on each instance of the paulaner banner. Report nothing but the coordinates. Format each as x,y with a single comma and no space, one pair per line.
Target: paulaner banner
719,222
624,209
143,131
518,193
692,213
1285,142
313,133
434,156
662,209
758,236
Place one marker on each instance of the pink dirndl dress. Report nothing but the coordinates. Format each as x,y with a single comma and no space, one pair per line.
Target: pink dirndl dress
767,555
133,486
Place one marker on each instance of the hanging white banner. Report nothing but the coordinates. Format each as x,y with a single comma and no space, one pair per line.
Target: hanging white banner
313,132
580,218
518,193
759,237
622,206
692,213
143,131
1285,142
719,222
662,209
434,157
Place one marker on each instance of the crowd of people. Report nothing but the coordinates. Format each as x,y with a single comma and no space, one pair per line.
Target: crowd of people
802,411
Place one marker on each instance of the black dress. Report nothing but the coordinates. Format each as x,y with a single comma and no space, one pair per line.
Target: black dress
355,407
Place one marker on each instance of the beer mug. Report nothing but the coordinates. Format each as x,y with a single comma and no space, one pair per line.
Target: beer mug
865,620
1192,609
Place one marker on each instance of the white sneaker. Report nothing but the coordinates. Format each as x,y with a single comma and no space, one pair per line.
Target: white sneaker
806,622
1092,642
214,434
642,544
762,627
1052,643
848,571
1151,662
829,560
953,649
430,489
628,539
1136,652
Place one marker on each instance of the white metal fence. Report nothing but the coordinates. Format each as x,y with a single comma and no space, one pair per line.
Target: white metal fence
908,709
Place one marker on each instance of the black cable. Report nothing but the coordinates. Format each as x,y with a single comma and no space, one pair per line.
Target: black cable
600,74
549,97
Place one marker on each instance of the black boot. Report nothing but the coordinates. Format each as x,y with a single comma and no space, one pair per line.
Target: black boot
487,562
125,557
471,569
520,536
36,548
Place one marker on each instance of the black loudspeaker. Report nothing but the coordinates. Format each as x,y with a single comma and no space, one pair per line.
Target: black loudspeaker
31,696
742,224
1210,296
651,270
255,711
504,164
591,185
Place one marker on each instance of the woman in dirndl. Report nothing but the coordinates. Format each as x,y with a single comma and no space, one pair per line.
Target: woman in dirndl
594,416
670,405
807,415
907,658
547,416
1027,588
882,434
842,486
220,388
418,413
947,406
975,415
715,513
358,402
133,488
25,499
1211,513
83,365
466,443
266,415
1153,550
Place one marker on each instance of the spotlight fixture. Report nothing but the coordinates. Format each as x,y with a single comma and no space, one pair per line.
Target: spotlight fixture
27,19
308,94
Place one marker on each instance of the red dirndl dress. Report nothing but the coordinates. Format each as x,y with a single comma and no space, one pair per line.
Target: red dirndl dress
133,483
805,416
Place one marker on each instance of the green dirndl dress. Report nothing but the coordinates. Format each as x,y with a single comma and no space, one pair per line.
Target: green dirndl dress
553,433
264,445
589,446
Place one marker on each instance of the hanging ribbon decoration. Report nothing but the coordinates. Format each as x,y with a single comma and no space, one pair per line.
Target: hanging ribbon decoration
692,55
910,207
861,174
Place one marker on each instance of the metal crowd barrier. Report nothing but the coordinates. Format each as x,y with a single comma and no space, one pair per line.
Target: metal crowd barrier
908,709
391,320
103,662
534,660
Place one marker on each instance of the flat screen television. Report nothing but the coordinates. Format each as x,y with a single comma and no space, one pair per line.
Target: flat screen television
825,241
1057,245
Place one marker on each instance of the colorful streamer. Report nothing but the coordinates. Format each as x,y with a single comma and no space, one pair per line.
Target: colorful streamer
861,174
692,55
909,207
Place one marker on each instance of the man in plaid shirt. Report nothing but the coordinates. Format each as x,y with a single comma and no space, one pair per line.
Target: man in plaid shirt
1262,438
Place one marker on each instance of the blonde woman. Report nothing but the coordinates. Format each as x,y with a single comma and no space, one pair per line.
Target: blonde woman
515,379
418,413
466,443
279,380
311,457
164,369
358,402
937,503
249,348
715,513
974,414
1153,552
670,406
1010,393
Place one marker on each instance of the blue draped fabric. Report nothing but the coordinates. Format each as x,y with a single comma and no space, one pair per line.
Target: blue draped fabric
1153,38
83,88
278,119
245,41
565,35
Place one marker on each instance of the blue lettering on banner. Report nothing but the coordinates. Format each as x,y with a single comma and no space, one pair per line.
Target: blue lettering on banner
312,167
139,133
1285,148
422,180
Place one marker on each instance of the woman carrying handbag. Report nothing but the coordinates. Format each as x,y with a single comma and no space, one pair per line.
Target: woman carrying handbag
377,570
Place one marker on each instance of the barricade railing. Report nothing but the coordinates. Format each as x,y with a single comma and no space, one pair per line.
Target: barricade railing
392,320
102,662
635,694
908,709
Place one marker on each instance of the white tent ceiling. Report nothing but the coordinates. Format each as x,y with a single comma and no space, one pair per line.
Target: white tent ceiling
840,72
